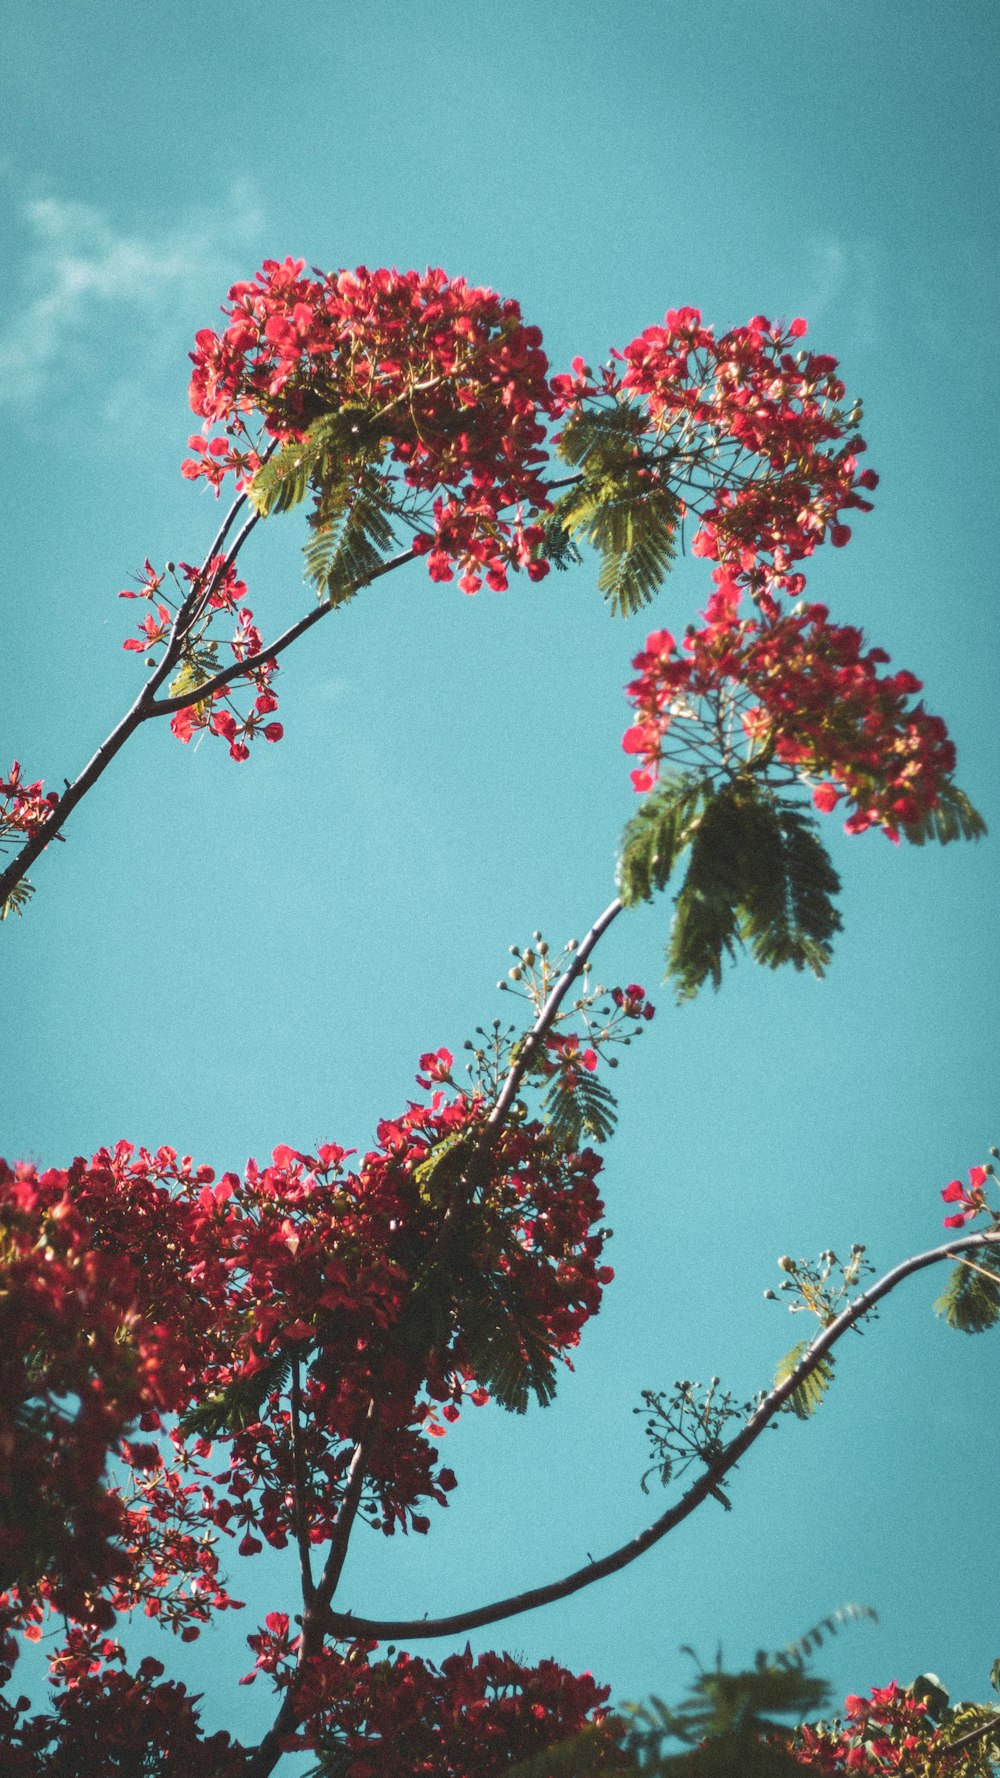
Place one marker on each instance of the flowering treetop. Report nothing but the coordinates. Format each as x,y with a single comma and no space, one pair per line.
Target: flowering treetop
272,1356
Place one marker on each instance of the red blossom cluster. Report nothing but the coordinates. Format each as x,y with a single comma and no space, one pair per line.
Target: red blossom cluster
888,1732
275,1312
449,374
109,1722
394,1718
99,1329
796,689
749,432
213,589
750,429
23,807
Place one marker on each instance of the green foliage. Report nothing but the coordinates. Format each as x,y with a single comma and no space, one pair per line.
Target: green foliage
953,818
727,1726
511,1352
757,875
199,664
351,518
557,545
351,533
464,1291
331,444
970,1300
442,1167
728,1722
579,1107
657,834
240,1404
798,1652
807,1395
621,505
17,899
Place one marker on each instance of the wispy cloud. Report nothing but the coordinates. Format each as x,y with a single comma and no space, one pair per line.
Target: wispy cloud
80,280
846,276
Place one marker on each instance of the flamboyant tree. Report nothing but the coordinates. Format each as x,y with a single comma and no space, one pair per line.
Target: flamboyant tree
272,1356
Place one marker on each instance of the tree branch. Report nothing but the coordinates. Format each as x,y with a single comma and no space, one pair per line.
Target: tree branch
315,1618
137,713
298,1465
346,1624
218,681
147,706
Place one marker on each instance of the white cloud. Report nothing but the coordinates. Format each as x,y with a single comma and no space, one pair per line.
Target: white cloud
81,277
845,276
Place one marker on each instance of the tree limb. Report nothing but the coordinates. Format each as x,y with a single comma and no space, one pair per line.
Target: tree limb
346,1624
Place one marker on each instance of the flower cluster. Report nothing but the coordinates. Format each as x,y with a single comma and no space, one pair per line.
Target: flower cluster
749,429
269,1311
213,590
797,690
23,807
108,1722
99,1329
391,1718
448,375
888,1732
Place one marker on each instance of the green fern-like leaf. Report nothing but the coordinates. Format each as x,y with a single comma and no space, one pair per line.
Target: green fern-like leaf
351,533
788,914
621,505
489,1308
970,1300
351,521
580,1757
657,834
706,924
576,1107
952,818
797,1653
200,664
757,875
511,1352
812,883
807,1395
283,481
599,439
442,1166
239,1405
17,899
319,460
557,545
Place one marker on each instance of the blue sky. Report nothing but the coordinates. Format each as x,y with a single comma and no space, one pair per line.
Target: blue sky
225,957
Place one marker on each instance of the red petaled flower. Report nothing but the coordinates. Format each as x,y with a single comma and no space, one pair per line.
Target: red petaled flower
797,690
455,381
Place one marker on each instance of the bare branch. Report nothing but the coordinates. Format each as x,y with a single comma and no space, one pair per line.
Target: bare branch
346,1624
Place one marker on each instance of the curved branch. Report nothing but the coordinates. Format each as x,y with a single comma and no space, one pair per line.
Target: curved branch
147,706
347,1625
137,713
541,1027
209,687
